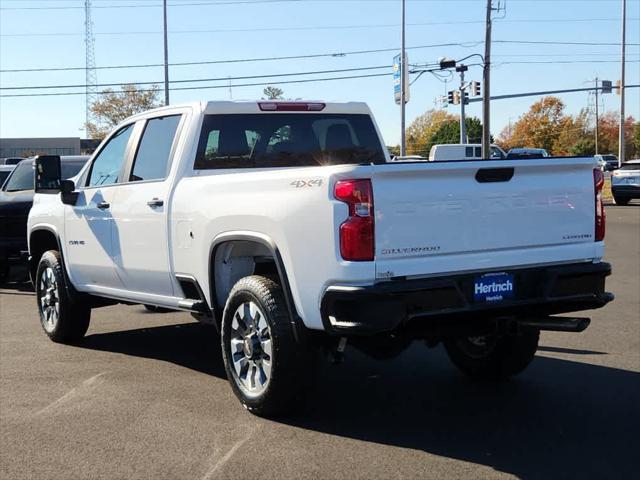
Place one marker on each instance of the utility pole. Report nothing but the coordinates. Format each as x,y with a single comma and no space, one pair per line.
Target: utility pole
596,92
621,149
166,55
463,125
403,73
486,97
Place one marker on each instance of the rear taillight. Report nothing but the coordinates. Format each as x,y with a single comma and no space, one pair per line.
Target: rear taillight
600,218
356,233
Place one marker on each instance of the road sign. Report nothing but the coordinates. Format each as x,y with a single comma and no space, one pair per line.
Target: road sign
397,76
606,86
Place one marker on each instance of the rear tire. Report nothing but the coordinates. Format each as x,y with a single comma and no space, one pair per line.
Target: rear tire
621,200
268,370
64,314
492,357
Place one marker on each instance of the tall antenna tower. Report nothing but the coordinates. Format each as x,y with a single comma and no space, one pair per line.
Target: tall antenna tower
91,79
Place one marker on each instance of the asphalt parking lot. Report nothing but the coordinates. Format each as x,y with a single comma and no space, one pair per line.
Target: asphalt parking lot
145,396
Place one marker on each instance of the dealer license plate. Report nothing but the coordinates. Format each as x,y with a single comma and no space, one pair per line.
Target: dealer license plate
494,287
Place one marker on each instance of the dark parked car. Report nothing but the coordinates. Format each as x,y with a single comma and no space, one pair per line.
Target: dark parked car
5,170
11,160
527,153
16,198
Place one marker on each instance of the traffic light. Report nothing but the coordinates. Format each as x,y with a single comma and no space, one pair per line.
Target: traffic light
618,87
453,97
475,89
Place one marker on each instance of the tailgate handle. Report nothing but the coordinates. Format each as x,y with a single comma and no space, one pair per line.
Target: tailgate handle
488,175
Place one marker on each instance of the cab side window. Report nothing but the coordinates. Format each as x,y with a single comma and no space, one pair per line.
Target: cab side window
107,165
152,158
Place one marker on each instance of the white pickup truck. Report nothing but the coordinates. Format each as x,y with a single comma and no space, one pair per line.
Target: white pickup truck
285,225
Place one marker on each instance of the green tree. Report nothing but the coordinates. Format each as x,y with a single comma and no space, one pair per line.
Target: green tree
393,149
449,132
584,147
114,107
273,93
420,132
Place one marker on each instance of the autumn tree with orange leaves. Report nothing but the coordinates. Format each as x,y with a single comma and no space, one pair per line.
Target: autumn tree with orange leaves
547,126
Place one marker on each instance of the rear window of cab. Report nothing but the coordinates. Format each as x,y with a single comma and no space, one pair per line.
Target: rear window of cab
287,140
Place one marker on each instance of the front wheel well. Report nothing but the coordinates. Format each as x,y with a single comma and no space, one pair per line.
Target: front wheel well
41,241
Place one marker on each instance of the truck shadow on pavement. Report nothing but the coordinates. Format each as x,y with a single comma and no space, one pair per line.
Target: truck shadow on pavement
191,345
560,418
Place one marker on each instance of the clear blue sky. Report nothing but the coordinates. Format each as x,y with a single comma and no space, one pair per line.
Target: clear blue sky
54,37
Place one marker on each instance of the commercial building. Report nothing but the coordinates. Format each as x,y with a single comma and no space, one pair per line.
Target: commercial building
23,147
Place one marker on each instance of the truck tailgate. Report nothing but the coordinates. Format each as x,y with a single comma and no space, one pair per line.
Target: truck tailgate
443,217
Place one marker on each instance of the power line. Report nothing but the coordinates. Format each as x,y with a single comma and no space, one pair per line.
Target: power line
290,74
247,60
544,42
226,2
469,44
306,28
156,5
284,82
247,77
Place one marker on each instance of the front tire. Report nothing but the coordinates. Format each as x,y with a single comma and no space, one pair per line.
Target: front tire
493,357
64,315
621,200
267,369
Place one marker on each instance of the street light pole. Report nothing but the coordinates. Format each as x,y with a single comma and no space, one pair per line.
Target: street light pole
621,149
166,55
403,74
486,74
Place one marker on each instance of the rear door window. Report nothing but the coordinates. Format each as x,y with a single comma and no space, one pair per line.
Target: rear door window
286,140
152,158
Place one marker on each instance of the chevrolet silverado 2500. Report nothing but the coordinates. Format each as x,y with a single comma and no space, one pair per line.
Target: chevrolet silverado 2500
285,226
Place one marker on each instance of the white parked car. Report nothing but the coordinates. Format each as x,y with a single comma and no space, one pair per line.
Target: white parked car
461,151
284,225
527,153
625,182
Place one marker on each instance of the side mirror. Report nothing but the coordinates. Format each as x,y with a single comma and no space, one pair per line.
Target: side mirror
47,174
67,192
67,186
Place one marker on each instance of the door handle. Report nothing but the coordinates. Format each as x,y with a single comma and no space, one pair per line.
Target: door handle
103,205
156,202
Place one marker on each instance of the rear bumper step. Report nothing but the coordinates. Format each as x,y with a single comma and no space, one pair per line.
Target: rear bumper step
541,292
555,324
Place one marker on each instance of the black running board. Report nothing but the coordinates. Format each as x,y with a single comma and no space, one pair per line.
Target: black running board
196,306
